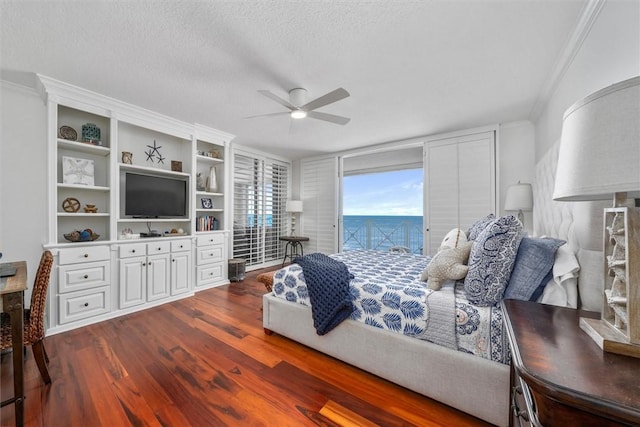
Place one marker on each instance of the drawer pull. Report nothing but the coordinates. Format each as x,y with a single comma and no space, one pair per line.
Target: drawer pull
86,304
86,255
159,249
133,251
173,260
86,276
181,246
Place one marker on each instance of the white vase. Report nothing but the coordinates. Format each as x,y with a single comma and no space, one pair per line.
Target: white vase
212,181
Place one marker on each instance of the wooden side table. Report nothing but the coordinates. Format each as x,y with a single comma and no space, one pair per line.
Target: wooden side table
12,290
566,378
293,247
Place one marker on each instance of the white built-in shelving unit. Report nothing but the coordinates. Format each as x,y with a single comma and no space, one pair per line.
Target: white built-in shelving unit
121,272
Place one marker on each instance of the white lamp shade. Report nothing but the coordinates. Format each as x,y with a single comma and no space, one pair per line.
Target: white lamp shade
519,197
293,206
600,146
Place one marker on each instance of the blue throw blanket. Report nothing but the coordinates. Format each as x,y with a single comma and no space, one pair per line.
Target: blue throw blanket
328,285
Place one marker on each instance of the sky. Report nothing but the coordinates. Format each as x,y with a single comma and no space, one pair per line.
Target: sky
385,193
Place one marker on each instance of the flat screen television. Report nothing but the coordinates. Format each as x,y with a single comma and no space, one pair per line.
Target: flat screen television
149,196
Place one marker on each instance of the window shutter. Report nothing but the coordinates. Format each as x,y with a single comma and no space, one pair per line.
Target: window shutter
259,197
319,195
460,184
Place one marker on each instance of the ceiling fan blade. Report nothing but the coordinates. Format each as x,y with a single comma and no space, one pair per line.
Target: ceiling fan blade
282,113
276,98
339,120
329,98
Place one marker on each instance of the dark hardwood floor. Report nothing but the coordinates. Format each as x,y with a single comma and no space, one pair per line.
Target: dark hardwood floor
205,361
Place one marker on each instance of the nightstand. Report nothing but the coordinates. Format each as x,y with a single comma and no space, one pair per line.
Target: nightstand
563,376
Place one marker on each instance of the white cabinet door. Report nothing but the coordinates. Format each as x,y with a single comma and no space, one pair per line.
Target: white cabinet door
133,281
158,277
180,272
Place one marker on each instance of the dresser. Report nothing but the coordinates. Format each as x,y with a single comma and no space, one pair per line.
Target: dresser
560,377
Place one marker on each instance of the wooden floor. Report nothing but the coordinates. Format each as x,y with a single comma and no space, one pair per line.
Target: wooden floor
205,361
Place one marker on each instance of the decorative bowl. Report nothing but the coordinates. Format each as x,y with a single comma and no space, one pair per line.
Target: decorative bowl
80,236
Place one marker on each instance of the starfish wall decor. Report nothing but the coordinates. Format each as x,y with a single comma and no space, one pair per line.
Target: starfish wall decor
154,152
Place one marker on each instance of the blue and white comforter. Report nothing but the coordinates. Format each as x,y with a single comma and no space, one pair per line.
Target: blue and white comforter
387,293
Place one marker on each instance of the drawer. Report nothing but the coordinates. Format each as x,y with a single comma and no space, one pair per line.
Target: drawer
83,254
76,277
84,304
210,239
180,245
210,254
158,248
209,273
135,249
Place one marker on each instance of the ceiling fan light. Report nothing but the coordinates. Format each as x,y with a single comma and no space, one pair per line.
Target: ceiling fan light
298,114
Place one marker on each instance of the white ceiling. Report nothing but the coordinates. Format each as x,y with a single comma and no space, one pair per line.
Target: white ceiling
413,68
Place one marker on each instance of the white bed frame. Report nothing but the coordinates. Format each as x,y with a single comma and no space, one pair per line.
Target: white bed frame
474,385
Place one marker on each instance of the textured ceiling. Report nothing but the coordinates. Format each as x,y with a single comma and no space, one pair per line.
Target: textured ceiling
413,68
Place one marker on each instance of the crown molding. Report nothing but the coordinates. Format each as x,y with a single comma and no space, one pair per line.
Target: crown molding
571,48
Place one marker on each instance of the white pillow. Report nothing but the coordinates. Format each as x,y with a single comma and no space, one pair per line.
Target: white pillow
562,290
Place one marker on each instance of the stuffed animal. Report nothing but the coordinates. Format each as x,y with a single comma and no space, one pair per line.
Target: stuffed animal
449,263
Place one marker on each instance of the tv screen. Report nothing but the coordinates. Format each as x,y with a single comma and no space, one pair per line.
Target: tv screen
149,196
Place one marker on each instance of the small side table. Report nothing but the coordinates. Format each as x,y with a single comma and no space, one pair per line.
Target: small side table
293,247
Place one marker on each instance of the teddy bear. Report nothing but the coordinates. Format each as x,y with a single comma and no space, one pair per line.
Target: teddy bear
449,263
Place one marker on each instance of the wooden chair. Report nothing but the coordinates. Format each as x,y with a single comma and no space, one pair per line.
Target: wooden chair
34,318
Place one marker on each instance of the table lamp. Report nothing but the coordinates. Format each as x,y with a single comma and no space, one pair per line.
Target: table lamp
599,159
519,198
293,207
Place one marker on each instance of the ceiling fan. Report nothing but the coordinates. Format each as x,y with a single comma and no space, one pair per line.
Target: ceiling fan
299,108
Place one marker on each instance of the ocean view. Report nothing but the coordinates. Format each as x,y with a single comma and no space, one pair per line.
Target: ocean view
382,232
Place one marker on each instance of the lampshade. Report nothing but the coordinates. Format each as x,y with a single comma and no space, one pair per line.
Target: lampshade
600,145
519,197
293,206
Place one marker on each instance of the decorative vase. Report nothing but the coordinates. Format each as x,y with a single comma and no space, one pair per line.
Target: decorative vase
90,132
212,181
199,182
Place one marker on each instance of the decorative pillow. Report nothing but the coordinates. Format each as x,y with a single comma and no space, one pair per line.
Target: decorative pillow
477,227
533,268
491,261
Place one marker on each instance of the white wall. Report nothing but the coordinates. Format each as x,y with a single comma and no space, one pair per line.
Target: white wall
23,176
610,53
516,154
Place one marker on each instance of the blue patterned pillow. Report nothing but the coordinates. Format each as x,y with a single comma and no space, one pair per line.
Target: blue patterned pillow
477,227
533,264
492,257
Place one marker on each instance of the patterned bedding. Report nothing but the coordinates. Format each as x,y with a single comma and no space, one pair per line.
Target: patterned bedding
387,293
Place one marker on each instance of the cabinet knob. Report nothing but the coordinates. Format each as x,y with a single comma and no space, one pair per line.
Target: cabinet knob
144,264
159,249
86,255
86,304
86,276
181,246
133,251
173,260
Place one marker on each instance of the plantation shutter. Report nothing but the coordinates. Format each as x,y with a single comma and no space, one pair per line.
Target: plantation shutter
259,197
319,193
459,184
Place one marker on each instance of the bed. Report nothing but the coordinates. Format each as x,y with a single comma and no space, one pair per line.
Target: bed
474,377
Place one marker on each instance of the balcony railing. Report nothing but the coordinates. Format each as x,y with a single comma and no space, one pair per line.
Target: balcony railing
383,233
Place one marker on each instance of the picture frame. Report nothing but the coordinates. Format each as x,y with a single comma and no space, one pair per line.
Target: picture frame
176,165
77,171
206,203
